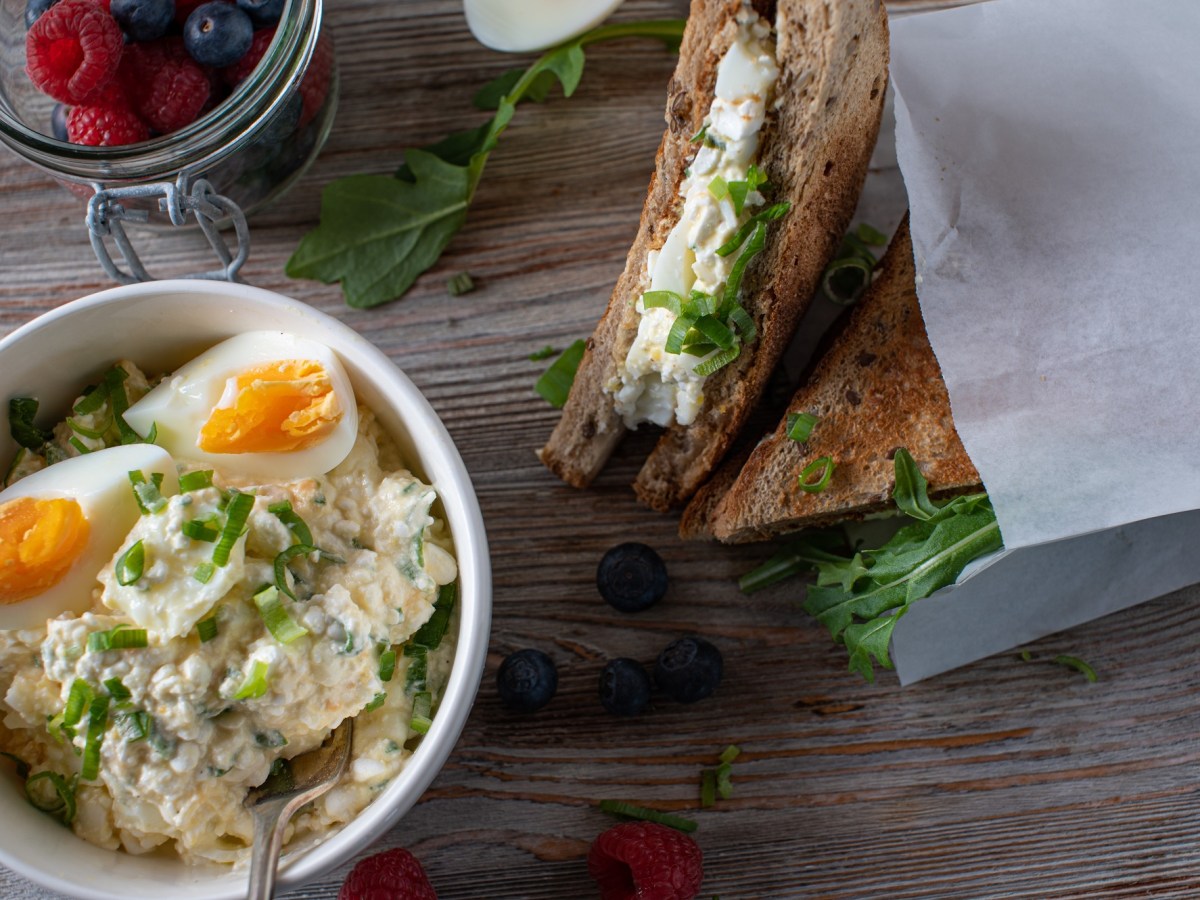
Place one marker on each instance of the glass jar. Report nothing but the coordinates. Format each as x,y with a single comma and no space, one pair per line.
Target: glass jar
245,152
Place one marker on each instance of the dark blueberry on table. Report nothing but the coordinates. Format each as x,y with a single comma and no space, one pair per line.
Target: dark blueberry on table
631,577
143,20
624,687
34,10
217,34
688,669
527,680
262,12
58,122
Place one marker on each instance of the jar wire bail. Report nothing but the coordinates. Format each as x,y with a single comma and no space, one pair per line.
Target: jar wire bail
106,216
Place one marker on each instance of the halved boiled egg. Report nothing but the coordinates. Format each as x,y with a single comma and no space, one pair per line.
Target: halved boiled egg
519,25
60,525
264,405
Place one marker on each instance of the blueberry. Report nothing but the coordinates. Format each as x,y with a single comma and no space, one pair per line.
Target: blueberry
144,20
527,680
217,34
688,669
58,122
262,12
631,577
624,687
34,10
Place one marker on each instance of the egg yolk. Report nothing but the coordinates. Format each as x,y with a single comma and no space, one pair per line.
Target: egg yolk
39,542
277,407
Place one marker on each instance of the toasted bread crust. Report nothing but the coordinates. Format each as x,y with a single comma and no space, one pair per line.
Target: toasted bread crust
877,389
833,58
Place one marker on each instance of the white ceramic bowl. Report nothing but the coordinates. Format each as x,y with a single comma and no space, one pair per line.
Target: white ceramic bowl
159,326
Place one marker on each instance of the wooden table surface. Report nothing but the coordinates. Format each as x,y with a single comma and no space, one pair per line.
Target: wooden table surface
1003,779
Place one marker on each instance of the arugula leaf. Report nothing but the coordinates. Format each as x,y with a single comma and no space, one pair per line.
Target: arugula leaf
912,490
21,413
377,234
554,385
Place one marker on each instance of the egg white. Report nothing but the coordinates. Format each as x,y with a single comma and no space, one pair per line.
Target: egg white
99,483
181,404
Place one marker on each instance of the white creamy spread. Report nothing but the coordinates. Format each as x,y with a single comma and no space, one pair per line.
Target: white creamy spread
183,783
653,385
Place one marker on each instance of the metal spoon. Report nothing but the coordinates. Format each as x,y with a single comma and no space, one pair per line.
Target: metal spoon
273,803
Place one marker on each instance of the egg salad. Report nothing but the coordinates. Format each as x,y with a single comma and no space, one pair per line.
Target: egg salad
200,580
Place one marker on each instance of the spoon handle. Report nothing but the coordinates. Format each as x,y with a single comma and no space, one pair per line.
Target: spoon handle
268,842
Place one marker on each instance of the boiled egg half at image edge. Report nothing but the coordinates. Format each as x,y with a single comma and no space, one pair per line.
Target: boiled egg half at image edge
263,405
519,25
62,524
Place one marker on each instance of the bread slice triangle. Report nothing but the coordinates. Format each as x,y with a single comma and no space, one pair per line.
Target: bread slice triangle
878,388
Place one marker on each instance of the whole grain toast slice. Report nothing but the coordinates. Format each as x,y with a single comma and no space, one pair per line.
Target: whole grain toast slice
833,56
878,388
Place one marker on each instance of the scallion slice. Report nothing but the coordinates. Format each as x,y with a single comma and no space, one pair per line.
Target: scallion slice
718,188
207,629
92,400
281,561
1074,662
632,811
717,361
422,712
122,637
195,481
770,214
236,515
741,320
284,513
78,699
698,137
114,384
79,445
149,497
201,530
730,753
417,674
708,788
716,331
135,725
95,434
376,701
800,426
663,300
204,572
431,633
283,627
870,235
724,784
117,690
97,724
460,284
545,353
129,566
387,664
754,246
823,469
555,384
678,333
62,804
255,684
845,279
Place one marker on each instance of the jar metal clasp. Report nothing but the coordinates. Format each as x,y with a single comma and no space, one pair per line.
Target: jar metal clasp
180,200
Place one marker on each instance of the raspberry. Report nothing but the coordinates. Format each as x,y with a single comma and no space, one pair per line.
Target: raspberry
391,875
166,86
240,70
315,85
645,861
109,122
73,50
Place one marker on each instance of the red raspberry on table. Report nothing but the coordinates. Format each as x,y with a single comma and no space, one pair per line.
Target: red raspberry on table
391,875
646,861
315,85
240,70
73,50
166,86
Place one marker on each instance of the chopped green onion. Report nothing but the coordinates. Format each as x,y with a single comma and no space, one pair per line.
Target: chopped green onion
417,673
718,188
708,788
97,723
699,135
135,725
845,279
1074,662
281,562
431,633
96,434
718,361
800,426
94,397
376,702
730,753
545,353
78,699
460,284
149,497
121,637
740,319
114,382
130,564
270,739
770,214
23,768
870,235
255,684
21,413
632,811
284,513
724,783
555,384
152,434
754,246
663,300
236,514
678,333
1026,656
117,690
207,629
195,481
715,330
201,530
422,716
204,572
62,804
387,664
824,466
79,445
283,627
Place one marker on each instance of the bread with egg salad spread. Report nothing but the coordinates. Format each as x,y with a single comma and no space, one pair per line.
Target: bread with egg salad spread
772,114
878,388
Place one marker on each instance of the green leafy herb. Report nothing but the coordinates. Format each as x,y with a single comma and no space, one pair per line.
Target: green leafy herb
120,637
97,724
195,481
207,629
21,413
815,477
555,384
147,494
376,701
545,353
204,572
255,684
284,513
800,426
1074,662
378,233
460,284
387,664
282,626
129,565
800,556
632,811
237,512
911,495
